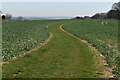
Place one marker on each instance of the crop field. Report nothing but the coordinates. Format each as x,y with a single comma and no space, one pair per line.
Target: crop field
102,34
64,56
21,36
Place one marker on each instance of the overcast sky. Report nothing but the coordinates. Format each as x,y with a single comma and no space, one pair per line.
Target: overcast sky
50,9
59,0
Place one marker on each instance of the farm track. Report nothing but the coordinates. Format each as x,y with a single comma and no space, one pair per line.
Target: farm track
107,71
63,56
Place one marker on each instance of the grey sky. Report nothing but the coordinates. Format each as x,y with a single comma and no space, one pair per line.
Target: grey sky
59,0
49,9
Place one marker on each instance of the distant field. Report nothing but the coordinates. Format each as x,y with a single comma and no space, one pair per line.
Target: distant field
104,37
21,36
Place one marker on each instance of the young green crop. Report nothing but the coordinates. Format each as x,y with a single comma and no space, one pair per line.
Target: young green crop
104,37
21,36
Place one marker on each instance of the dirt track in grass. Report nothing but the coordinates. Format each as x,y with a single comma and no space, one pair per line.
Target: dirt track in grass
63,56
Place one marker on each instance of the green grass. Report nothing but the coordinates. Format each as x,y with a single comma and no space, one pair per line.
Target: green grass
63,57
22,36
102,37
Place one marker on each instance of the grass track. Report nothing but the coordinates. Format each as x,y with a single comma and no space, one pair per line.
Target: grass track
63,57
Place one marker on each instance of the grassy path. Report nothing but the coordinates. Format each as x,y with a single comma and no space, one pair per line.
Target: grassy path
63,56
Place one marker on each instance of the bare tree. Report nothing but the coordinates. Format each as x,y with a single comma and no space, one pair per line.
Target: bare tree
116,6
8,16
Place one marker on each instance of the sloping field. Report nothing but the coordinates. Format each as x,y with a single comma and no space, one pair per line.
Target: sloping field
22,36
102,34
64,56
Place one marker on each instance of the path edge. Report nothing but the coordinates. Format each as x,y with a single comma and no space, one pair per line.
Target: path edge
30,51
108,73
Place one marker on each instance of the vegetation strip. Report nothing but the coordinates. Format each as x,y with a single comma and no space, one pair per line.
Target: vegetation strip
22,36
108,72
102,37
63,56
28,52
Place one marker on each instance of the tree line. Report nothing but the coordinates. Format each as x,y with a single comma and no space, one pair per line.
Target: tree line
5,16
8,16
114,13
